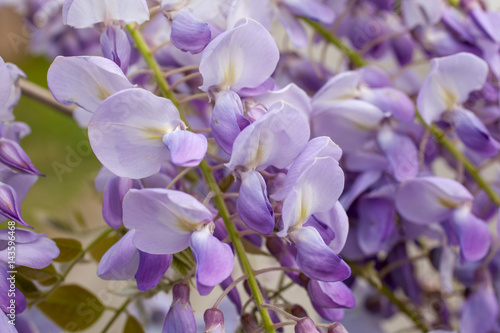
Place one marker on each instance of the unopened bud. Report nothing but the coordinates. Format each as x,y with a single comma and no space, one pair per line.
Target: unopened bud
298,311
305,325
248,323
337,328
214,321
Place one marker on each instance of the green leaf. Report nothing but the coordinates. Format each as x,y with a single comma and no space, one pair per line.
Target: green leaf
27,287
70,249
45,276
80,219
101,247
132,326
72,307
60,224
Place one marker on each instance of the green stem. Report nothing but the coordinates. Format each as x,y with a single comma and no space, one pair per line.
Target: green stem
373,280
238,245
117,314
212,184
73,263
452,148
143,47
358,61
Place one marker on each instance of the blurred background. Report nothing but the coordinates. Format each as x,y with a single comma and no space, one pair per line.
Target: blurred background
66,198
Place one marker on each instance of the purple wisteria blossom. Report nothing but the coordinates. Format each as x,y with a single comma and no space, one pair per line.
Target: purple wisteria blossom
83,14
147,133
177,221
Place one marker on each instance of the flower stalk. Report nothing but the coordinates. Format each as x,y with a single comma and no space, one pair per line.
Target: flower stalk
211,183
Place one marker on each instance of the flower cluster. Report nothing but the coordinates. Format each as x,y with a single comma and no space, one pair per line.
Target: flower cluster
365,184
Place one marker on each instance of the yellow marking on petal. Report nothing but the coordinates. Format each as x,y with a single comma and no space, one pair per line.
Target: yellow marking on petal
229,75
103,93
450,99
448,203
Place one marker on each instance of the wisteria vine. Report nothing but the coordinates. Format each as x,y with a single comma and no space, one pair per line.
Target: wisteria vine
348,148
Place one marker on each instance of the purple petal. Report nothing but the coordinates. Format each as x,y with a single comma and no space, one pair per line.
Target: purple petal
112,197
180,317
121,261
316,259
331,294
151,269
341,87
5,326
391,100
337,221
284,256
12,155
253,205
262,88
187,149
292,94
295,30
274,139
400,151
376,222
233,295
227,119
32,250
473,234
9,204
403,47
214,321
306,325
330,314
349,123
482,21
214,259
163,219
5,84
127,129
421,12
315,191
375,77
20,182
116,46
361,184
189,34
430,199
475,136
316,148
86,13
85,81
480,311
243,57
449,83
312,8
5,299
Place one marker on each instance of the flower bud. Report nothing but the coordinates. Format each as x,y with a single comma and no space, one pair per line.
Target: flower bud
180,317
214,321
337,328
298,311
305,325
13,156
248,323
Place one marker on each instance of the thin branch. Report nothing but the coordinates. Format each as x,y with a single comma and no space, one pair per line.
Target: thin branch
185,79
42,95
117,314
